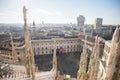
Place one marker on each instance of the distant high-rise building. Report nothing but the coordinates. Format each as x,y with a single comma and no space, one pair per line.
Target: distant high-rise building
98,23
80,22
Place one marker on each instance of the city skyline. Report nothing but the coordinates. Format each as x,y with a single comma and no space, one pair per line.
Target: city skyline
60,11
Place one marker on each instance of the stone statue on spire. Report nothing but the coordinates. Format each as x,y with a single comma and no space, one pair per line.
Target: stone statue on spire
24,13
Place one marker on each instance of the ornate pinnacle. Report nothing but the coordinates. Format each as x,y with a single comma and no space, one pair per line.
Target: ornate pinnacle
33,23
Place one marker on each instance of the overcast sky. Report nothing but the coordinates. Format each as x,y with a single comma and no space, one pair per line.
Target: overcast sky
60,11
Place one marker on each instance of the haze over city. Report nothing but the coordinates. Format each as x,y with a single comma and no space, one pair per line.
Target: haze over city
60,11
59,40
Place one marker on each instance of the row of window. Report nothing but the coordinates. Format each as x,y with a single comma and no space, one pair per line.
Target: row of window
56,43
72,46
51,51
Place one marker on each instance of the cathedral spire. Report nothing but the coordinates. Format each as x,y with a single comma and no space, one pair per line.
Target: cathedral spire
13,48
113,61
82,72
116,35
93,64
33,23
29,58
33,30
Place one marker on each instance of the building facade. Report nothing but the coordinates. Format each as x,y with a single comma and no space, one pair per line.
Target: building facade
63,45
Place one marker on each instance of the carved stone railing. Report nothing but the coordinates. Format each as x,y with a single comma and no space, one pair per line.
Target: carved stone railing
16,77
49,75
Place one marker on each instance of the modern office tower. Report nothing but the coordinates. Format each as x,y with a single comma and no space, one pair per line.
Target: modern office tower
80,22
98,23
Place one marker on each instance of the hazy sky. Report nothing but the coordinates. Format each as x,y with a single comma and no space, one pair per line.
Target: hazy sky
60,11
